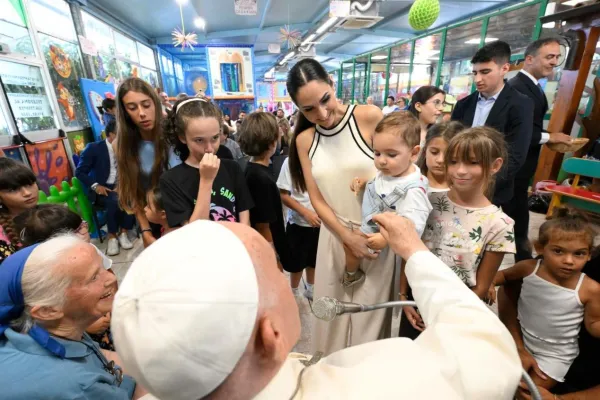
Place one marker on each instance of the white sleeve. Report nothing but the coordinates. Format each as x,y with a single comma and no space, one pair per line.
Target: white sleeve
284,181
416,207
468,339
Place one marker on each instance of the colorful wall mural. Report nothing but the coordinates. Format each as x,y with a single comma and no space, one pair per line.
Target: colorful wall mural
49,163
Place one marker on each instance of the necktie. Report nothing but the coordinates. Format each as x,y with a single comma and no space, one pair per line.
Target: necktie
541,90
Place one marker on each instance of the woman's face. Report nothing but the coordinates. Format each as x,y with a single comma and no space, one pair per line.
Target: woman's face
141,110
316,100
432,109
202,135
21,199
434,157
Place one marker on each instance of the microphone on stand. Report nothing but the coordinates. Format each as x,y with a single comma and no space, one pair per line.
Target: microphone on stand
327,308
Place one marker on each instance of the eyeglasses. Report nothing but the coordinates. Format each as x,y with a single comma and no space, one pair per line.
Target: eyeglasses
438,104
83,227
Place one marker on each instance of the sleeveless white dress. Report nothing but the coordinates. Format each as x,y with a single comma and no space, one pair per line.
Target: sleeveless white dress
339,155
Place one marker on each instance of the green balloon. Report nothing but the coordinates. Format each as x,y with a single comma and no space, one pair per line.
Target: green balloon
423,14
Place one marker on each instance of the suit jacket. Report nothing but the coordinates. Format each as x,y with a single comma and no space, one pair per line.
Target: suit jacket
94,165
525,85
465,352
512,115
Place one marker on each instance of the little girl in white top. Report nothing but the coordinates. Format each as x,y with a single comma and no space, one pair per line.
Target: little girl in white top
431,158
556,297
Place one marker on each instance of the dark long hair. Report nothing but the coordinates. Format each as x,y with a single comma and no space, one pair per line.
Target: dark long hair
423,94
444,130
13,176
175,124
303,72
131,194
44,221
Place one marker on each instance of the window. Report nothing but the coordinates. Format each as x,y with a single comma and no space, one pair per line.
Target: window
456,77
13,27
425,62
400,70
347,82
377,77
360,78
119,57
24,88
514,27
126,47
53,17
3,125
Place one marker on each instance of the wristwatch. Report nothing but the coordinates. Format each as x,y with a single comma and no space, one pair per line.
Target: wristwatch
94,186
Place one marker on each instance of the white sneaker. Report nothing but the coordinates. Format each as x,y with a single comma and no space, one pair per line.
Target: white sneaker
124,241
296,292
308,292
113,247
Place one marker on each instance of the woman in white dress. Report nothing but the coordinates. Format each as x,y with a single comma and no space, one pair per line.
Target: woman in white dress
332,146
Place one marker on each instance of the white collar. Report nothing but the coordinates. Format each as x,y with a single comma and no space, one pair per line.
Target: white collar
493,97
109,144
527,74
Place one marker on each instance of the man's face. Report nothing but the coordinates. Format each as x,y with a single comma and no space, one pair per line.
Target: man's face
92,288
242,116
543,63
279,113
390,102
489,77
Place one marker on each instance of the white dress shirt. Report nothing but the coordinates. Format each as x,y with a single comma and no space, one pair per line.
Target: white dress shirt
112,176
484,106
545,135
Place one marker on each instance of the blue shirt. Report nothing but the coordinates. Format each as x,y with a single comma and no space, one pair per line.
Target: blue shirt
484,106
28,371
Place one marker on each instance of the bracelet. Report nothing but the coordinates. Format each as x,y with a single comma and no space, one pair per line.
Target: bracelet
146,230
403,295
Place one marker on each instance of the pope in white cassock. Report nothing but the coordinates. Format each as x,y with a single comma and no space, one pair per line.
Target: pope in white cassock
204,313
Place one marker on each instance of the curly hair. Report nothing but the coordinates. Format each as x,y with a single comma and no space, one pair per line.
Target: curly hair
567,223
175,125
258,133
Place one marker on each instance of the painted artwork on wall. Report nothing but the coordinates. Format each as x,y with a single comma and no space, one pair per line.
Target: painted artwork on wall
13,152
49,163
79,139
94,92
231,73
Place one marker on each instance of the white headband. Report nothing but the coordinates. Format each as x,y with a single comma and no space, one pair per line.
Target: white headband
189,101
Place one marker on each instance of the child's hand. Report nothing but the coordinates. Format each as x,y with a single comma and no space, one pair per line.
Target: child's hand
376,241
100,326
490,298
209,166
357,185
529,363
312,218
414,318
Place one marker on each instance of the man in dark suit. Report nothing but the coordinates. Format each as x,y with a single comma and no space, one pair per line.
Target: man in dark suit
541,57
499,106
97,170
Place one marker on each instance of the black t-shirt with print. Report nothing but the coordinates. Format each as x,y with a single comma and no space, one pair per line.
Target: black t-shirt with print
267,206
230,195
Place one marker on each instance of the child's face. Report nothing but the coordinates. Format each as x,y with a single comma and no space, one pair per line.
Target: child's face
24,198
202,135
152,214
434,157
565,257
467,175
392,155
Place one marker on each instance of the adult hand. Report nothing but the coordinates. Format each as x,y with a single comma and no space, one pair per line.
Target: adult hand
400,233
102,190
559,137
312,218
530,364
100,326
414,318
357,244
209,166
525,394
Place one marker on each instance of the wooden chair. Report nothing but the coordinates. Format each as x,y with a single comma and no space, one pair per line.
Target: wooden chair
574,195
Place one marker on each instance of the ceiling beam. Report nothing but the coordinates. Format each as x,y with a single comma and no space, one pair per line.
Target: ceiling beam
341,44
262,19
237,32
395,34
390,18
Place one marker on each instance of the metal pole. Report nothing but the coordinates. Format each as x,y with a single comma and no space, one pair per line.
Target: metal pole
387,75
441,58
353,79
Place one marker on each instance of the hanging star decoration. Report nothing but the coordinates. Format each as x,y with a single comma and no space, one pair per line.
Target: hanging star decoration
180,38
288,37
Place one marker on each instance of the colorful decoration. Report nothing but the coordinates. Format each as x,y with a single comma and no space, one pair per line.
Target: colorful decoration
66,100
49,163
290,38
60,61
423,14
180,38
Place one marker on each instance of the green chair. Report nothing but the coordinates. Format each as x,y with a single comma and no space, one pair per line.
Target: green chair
574,195
74,197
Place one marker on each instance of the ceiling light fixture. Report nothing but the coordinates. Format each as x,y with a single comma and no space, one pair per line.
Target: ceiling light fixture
572,2
308,40
330,22
477,41
549,25
378,57
181,2
200,23
287,57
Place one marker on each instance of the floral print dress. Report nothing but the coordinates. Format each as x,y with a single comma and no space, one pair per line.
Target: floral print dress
6,247
460,236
